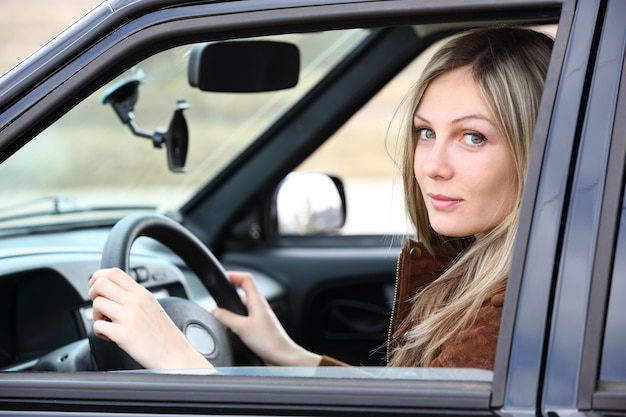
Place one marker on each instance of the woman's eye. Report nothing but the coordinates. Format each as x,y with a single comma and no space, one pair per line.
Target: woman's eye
425,133
474,139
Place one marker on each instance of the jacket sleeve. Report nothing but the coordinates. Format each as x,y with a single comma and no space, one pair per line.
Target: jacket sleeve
328,361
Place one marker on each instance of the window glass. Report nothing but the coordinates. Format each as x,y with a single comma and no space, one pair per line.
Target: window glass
42,178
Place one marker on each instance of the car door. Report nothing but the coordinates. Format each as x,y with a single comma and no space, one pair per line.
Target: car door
333,281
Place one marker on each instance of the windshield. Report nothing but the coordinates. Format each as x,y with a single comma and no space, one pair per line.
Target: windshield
89,162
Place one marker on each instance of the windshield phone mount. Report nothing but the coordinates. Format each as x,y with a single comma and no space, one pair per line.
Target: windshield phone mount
123,95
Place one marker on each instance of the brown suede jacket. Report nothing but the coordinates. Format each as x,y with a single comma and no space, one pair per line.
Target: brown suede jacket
474,347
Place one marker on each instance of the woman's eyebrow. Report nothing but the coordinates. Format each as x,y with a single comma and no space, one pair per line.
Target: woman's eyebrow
477,116
417,116
473,117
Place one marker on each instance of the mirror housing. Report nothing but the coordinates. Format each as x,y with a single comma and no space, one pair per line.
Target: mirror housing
310,203
123,96
244,66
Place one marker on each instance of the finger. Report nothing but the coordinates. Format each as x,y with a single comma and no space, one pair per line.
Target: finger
99,274
97,313
254,301
111,332
245,281
115,275
230,320
101,329
104,287
237,277
105,309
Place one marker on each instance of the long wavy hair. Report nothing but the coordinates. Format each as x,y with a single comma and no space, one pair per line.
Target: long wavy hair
509,65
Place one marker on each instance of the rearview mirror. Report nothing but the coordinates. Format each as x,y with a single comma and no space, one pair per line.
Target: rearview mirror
244,66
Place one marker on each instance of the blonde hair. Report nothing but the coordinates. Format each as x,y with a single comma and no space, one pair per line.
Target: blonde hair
509,65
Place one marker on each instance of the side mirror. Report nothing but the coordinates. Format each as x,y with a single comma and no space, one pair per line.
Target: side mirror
310,203
244,66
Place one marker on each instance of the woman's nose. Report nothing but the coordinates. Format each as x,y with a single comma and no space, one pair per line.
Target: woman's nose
437,161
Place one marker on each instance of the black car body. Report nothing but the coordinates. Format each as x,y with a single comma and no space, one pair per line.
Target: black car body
562,349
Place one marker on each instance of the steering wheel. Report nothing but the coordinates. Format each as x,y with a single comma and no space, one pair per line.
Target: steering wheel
202,330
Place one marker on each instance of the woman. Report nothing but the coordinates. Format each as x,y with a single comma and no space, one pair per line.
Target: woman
454,321
467,141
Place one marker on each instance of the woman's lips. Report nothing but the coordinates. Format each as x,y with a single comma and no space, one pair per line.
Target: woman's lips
442,202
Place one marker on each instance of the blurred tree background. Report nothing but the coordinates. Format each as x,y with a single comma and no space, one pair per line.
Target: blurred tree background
26,25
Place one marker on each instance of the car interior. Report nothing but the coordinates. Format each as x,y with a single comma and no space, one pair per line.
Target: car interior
272,153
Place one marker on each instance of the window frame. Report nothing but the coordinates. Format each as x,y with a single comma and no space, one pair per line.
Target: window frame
594,393
591,217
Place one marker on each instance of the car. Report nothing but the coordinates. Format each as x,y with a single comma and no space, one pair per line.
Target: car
277,158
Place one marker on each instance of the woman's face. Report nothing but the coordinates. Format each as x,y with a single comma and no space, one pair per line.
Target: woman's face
462,163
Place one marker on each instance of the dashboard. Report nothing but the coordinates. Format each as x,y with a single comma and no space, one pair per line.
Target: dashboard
44,286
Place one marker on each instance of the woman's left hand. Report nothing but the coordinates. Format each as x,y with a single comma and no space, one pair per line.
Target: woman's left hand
261,330
129,315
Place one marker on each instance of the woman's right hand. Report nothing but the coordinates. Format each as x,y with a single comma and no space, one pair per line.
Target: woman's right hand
260,330
128,314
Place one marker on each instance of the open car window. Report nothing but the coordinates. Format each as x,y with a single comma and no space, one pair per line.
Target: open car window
122,168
